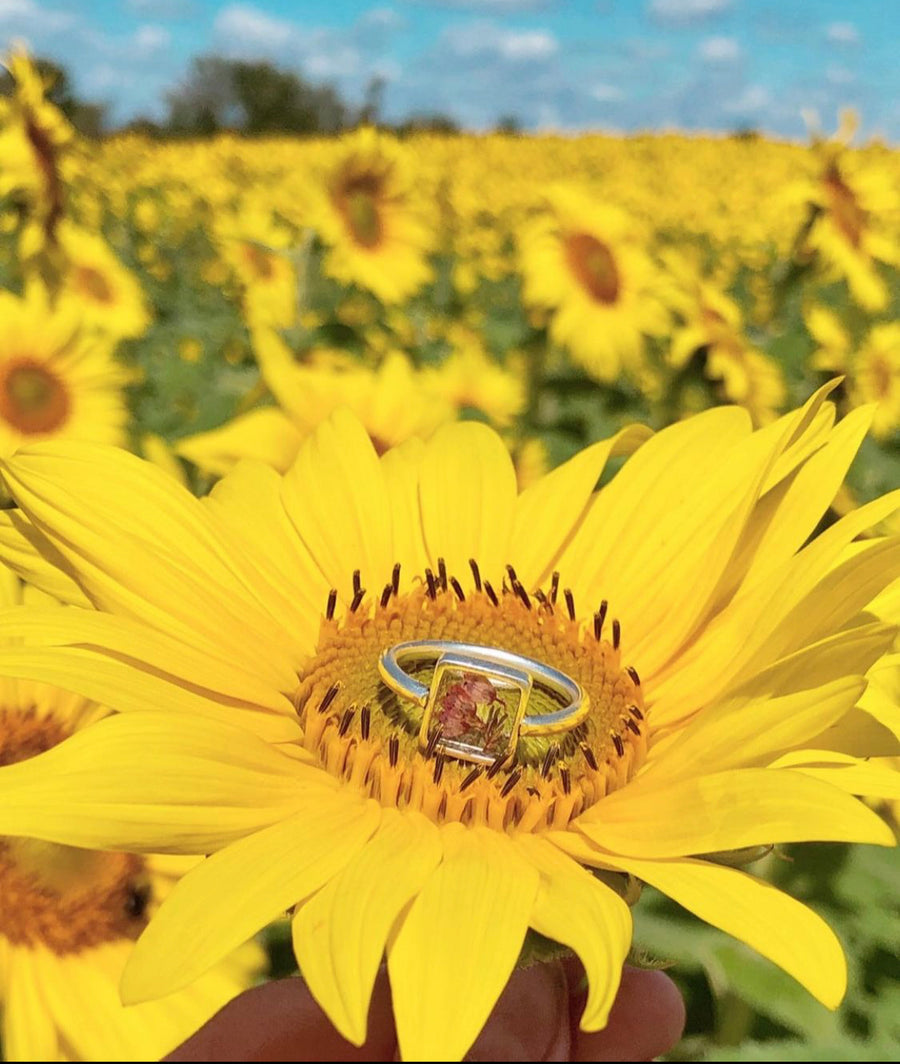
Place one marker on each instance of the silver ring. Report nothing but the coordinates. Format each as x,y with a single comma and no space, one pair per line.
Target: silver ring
475,706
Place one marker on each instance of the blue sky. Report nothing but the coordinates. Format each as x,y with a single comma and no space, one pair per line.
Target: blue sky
565,64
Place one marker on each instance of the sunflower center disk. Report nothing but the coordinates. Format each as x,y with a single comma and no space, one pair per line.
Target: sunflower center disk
64,898
93,283
593,264
368,735
359,202
32,399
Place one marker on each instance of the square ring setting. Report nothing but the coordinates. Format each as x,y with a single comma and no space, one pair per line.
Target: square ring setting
474,710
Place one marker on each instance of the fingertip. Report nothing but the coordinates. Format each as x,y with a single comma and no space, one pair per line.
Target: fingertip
646,1020
281,1021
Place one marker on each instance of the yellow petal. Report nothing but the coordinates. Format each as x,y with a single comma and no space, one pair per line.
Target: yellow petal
753,632
247,507
457,946
725,811
154,782
28,554
232,894
142,546
340,933
662,470
749,728
334,495
855,775
467,492
576,909
29,1032
401,478
755,912
548,511
266,435
806,497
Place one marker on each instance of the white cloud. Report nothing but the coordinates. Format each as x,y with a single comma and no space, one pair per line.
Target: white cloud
719,50
838,75
687,10
482,40
753,98
492,7
603,92
19,15
252,28
842,33
149,39
160,8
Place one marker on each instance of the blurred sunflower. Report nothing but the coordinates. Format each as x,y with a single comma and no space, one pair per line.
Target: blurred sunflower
872,369
470,379
394,402
69,917
368,216
580,258
34,137
854,204
109,294
56,382
255,247
711,331
711,637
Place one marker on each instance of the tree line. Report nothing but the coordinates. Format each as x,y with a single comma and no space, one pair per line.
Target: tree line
243,96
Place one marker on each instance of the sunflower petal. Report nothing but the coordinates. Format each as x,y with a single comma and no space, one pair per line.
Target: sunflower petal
140,545
335,497
27,553
154,782
266,435
757,913
232,894
728,810
401,478
576,909
467,492
549,510
340,933
458,944
28,1032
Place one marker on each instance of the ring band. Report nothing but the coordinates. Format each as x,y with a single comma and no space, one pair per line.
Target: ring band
475,706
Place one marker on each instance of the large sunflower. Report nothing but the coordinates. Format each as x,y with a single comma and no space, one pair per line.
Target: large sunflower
69,918
580,259
240,637
55,381
368,214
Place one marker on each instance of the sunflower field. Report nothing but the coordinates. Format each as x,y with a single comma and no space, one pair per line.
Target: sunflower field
247,313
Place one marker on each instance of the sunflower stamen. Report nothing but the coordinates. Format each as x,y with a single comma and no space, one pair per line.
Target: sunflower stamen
457,588
395,580
432,585
511,781
616,634
491,593
358,596
633,673
570,603
330,605
476,573
442,573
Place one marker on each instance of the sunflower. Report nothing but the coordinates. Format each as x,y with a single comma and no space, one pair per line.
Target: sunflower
711,331
470,379
109,294
876,377
256,247
69,917
394,402
872,369
34,139
368,215
853,203
683,596
580,258
55,381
